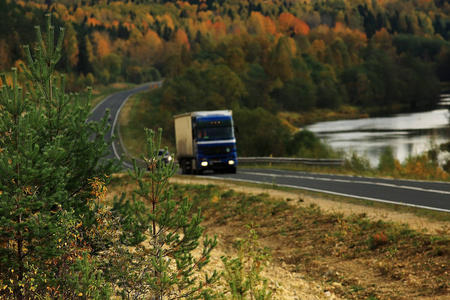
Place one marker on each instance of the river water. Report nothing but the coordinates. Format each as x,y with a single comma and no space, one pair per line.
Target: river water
407,134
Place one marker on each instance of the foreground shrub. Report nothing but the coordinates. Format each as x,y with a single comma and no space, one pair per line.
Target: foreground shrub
243,273
387,161
421,167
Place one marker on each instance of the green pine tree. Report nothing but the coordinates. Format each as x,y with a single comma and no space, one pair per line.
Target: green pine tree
48,153
164,235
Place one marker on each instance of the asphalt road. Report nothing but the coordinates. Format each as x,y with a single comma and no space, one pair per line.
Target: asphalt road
424,194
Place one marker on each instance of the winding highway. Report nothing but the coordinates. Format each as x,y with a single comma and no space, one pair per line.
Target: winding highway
424,194
115,102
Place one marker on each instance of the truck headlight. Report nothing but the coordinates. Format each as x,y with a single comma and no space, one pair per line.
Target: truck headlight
231,162
204,163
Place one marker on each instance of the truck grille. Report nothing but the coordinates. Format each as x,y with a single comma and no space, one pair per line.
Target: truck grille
217,150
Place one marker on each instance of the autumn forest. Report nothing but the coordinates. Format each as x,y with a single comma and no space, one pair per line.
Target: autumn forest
258,57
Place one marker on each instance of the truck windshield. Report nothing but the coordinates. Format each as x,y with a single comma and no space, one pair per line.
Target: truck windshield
214,133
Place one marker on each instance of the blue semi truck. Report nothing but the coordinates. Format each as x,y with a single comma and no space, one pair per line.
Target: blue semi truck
205,141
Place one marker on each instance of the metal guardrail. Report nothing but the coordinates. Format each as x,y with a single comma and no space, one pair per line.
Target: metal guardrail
280,160
292,160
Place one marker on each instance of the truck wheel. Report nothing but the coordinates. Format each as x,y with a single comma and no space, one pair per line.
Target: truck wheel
184,167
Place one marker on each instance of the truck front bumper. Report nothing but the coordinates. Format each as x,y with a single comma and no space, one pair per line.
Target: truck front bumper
218,164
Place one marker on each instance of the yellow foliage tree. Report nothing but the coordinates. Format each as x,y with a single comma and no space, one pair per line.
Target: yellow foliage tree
71,45
255,23
383,40
166,21
353,38
147,49
317,49
102,44
79,14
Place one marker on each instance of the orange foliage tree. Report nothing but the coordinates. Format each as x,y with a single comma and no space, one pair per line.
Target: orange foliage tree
181,38
291,25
